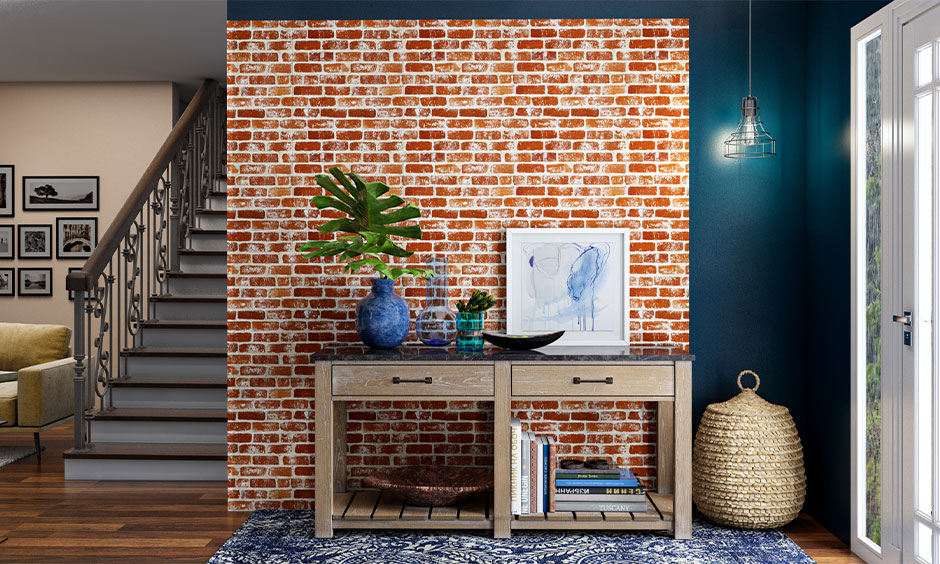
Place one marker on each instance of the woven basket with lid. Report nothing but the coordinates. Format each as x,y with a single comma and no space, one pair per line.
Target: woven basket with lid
747,462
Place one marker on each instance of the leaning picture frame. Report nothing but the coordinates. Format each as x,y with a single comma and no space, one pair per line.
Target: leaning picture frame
574,280
60,193
7,191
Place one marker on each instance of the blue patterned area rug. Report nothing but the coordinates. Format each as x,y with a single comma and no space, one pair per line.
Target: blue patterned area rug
286,537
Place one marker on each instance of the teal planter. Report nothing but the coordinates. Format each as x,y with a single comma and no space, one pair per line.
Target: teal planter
470,331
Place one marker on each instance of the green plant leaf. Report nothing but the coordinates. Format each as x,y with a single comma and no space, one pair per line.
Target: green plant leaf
372,220
323,202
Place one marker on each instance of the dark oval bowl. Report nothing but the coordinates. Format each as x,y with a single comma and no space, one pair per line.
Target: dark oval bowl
522,342
431,485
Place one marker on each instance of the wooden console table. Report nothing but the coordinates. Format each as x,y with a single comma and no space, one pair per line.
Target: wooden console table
584,373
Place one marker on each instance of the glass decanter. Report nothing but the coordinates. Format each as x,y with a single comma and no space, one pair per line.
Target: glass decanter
437,324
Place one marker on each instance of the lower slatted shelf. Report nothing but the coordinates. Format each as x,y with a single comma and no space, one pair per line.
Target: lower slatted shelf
659,516
370,509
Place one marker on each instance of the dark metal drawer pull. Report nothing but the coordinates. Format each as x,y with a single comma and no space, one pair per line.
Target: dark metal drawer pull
425,380
607,380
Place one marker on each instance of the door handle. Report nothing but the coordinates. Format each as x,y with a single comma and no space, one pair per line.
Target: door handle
907,319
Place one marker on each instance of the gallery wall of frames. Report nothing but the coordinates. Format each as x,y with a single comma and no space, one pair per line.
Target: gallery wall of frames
72,237
70,155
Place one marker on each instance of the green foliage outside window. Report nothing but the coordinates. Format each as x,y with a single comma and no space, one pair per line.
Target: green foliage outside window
873,196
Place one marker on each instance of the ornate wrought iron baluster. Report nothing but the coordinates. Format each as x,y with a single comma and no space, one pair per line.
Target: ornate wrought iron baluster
132,256
78,380
100,307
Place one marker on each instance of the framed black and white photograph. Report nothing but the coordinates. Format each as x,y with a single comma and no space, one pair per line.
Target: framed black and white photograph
7,242
60,193
7,282
35,281
35,241
76,237
7,199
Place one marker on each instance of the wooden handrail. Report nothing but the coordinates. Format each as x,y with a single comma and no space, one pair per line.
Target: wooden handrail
85,278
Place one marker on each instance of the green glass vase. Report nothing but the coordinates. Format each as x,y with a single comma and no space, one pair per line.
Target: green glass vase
470,331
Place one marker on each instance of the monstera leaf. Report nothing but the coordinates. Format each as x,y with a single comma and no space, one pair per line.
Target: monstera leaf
370,224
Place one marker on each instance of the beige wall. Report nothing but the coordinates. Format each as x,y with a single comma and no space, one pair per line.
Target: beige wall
111,130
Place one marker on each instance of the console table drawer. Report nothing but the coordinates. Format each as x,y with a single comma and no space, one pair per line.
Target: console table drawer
596,380
412,380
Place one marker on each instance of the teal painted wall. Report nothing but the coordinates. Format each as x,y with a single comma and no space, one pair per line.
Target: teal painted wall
827,188
769,238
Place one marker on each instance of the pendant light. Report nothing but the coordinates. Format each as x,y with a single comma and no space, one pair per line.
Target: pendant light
749,140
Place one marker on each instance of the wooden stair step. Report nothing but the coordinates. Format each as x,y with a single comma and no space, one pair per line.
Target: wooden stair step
176,351
171,382
158,414
181,274
203,253
191,299
184,324
151,451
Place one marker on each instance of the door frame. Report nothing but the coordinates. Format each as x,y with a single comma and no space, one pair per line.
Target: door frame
889,21
906,164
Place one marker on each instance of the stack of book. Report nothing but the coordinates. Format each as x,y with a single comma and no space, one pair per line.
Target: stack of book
612,490
533,471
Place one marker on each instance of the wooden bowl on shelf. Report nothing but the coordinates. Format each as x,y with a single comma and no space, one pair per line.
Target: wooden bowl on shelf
436,486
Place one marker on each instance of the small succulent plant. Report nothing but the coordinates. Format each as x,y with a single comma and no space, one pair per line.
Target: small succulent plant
479,302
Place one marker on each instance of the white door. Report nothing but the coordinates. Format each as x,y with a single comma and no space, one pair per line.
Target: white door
895,477
915,325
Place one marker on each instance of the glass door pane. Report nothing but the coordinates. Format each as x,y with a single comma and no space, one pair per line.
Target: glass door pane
869,176
923,314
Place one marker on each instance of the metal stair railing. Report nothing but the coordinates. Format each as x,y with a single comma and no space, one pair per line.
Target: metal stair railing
113,289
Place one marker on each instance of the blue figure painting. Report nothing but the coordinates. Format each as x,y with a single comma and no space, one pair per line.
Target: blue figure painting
565,287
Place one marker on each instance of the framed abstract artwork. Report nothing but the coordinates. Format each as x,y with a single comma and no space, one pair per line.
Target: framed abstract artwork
60,193
35,241
76,237
35,281
7,198
568,279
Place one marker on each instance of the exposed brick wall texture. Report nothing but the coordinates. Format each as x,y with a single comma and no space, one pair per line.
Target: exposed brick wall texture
485,125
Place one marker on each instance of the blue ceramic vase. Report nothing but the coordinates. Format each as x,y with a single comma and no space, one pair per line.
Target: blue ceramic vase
382,317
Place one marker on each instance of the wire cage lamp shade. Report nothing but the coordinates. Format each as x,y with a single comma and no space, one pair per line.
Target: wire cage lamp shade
750,140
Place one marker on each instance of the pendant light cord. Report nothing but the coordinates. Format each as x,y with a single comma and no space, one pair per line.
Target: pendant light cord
749,48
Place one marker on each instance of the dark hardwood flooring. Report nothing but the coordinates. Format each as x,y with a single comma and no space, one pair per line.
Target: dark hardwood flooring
49,520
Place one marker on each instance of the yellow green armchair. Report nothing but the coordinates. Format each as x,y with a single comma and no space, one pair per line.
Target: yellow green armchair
36,378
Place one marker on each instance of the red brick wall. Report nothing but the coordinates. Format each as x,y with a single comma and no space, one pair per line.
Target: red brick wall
485,125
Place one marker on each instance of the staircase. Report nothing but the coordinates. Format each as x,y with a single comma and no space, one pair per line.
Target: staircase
160,411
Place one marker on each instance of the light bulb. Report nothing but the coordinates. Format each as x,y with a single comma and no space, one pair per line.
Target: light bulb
749,135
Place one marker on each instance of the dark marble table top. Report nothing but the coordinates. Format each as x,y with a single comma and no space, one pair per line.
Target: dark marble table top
414,352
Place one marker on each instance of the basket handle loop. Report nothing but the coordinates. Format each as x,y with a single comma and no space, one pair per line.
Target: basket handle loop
756,378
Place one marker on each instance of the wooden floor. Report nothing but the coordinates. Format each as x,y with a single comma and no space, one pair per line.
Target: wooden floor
49,520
